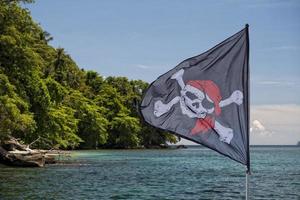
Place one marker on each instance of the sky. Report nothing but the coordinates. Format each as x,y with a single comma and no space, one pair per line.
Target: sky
141,39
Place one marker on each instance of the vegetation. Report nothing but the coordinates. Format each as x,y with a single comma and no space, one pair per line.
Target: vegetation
45,96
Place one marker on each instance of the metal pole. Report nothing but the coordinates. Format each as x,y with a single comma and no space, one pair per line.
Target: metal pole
247,184
248,114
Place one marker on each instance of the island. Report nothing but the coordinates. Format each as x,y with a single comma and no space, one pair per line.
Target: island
48,102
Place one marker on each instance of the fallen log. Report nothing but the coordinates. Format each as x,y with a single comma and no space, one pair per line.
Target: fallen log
13,144
13,153
50,158
24,159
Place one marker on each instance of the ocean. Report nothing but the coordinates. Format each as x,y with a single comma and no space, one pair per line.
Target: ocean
192,173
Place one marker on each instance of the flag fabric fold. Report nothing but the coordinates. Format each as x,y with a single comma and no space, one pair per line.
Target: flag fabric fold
205,99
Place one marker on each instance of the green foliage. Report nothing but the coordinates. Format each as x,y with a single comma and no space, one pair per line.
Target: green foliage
92,126
57,91
109,99
94,81
124,131
15,119
61,127
43,93
65,70
17,1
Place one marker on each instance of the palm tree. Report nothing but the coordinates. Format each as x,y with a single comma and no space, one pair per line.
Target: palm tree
45,36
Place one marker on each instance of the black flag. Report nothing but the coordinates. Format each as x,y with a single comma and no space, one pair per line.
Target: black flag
206,99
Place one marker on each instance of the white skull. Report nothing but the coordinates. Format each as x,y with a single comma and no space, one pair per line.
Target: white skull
191,102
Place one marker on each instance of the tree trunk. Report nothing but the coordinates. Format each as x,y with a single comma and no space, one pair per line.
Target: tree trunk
22,158
13,153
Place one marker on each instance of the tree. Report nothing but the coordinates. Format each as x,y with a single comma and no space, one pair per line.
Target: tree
92,125
45,36
110,99
124,131
124,88
94,80
17,1
23,57
43,93
56,91
58,128
153,137
15,119
66,71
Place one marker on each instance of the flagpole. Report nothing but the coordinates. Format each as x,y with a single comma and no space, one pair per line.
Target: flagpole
247,185
248,173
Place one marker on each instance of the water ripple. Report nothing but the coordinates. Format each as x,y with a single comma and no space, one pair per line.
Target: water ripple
188,174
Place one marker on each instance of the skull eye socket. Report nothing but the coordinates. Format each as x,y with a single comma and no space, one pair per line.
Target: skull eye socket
191,95
207,104
196,104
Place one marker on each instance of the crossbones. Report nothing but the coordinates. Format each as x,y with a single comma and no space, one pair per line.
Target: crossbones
191,99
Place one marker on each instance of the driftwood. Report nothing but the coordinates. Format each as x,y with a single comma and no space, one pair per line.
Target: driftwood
21,158
13,153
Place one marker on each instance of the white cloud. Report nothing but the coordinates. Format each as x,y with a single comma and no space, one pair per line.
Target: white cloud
281,124
259,129
258,126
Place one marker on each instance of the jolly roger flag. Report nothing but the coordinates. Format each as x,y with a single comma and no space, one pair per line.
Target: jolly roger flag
205,99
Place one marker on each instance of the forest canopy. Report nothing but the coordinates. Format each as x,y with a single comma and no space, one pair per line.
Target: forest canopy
45,97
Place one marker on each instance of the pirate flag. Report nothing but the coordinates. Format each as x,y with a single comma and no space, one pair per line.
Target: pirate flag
205,99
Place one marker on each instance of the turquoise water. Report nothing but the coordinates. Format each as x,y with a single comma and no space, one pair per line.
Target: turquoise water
194,173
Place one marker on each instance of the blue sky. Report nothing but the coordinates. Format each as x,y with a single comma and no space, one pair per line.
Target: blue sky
142,39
